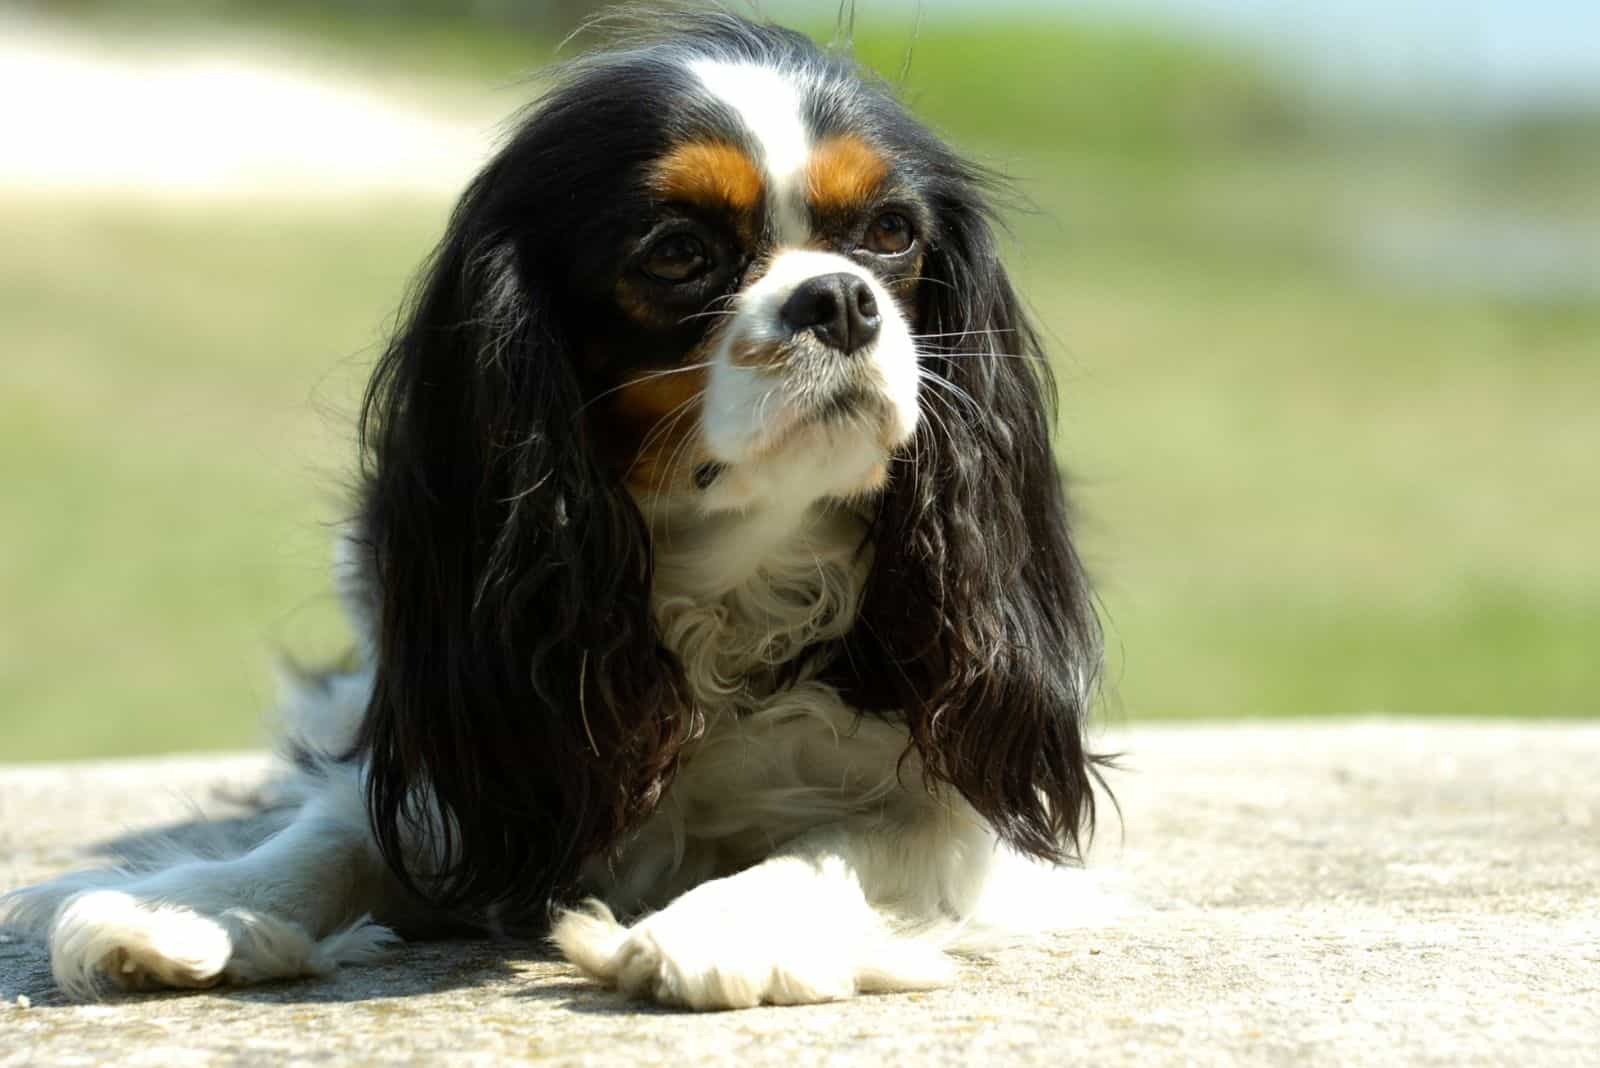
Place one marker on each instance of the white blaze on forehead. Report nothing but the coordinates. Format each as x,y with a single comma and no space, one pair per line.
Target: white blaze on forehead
769,104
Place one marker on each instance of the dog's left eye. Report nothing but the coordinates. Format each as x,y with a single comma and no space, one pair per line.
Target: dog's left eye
677,258
889,234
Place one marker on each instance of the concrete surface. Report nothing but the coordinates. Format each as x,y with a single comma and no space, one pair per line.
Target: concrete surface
1364,893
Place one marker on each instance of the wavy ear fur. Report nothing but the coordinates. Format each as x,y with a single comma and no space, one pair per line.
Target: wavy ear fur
524,712
977,620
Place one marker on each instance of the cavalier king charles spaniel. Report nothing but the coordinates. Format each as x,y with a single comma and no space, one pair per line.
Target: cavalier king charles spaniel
716,611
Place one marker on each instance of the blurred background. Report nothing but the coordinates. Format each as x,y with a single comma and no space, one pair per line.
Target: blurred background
1322,282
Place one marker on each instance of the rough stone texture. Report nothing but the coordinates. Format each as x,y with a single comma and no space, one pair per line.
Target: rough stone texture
1300,894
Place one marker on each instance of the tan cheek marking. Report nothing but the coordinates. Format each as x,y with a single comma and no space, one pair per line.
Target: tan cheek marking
844,174
654,421
711,174
634,305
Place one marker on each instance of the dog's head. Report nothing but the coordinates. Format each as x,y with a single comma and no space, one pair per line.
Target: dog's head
715,271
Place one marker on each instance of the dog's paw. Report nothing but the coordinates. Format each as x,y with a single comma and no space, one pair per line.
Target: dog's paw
109,940
705,958
105,941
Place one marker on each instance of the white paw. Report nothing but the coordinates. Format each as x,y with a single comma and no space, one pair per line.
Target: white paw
106,938
111,940
704,957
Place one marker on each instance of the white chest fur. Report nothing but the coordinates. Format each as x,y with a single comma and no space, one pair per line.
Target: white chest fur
771,759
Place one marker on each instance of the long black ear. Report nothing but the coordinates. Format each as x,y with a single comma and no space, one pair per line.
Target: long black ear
977,621
524,713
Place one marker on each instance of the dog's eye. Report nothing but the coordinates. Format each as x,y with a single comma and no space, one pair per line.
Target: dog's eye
889,234
677,258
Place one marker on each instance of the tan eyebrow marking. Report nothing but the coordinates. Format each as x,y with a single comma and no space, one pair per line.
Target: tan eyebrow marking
712,174
844,174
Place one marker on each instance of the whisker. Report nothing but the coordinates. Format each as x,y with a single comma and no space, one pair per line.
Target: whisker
726,300
954,390
761,406
943,355
937,416
917,281
678,450
710,313
635,380
951,387
969,333
662,426
936,395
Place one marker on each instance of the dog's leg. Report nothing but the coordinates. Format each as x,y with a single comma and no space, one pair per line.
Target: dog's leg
831,915
297,904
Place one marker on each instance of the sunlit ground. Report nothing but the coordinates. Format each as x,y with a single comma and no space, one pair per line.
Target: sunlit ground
1328,400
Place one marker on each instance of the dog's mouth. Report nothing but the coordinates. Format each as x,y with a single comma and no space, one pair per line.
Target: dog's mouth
843,406
807,403
706,475
850,410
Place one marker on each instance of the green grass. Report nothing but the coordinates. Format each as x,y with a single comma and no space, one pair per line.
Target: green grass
1304,490
1303,498
175,433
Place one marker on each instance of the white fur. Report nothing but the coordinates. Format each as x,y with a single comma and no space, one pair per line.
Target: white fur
769,104
797,857
749,409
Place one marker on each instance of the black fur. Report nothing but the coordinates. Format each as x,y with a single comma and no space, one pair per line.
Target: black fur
977,624
525,713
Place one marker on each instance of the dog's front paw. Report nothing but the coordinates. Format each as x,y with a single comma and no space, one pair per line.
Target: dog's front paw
704,958
109,940
106,939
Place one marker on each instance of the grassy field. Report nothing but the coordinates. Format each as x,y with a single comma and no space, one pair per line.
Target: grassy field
1306,489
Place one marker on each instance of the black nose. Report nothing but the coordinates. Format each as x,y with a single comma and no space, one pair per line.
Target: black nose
839,308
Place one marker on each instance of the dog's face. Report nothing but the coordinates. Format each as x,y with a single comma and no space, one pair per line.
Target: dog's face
746,264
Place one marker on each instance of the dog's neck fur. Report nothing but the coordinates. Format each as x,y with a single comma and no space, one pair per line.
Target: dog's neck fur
739,596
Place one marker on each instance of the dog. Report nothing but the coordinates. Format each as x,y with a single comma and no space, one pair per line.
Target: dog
715,608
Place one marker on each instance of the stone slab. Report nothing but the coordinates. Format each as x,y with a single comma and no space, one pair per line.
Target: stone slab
1296,893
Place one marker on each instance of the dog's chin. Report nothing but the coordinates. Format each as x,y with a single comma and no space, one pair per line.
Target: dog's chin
836,447
852,418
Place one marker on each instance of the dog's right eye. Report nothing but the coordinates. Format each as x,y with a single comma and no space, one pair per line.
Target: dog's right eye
676,259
